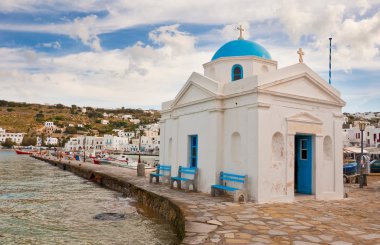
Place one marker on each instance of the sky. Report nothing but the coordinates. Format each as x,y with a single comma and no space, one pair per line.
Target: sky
137,54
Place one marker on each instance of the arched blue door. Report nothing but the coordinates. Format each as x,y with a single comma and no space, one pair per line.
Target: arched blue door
303,164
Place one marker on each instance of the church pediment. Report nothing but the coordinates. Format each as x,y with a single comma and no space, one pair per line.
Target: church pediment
192,94
303,86
196,89
304,117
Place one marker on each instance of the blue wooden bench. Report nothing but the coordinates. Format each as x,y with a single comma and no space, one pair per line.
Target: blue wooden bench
240,193
183,172
163,171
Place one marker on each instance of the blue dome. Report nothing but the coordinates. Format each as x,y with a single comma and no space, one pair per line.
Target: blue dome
241,47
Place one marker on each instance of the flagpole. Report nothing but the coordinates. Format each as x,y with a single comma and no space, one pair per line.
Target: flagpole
330,62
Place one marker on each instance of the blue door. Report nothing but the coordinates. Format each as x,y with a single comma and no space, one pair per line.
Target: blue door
194,151
303,164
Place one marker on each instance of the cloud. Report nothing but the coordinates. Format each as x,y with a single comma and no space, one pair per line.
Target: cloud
230,31
353,24
353,38
85,30
153,70
137,76
172,40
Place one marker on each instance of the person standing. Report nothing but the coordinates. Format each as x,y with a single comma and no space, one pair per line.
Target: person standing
366,170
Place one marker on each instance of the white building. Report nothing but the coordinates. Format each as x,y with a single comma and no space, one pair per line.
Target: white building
150,143
135,121
125,134
84,110
71,145
15,137
281,127
115,143
105,122
371,136
51,141
92,143
126,117
49,127
132,148
49,124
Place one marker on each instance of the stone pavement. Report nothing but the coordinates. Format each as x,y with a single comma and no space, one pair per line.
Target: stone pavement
217,220
354,220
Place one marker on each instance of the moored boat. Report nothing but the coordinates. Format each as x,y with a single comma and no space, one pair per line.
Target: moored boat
20,152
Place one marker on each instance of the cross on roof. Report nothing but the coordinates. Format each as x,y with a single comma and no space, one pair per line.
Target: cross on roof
241,32
300,53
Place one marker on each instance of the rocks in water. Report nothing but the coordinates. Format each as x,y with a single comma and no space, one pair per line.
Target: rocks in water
110,216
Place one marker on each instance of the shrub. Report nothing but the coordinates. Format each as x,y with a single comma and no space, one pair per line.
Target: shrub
8,143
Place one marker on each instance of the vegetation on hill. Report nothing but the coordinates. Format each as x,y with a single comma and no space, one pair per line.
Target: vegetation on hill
30,118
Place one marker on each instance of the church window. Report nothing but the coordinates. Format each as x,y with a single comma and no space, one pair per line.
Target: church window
237,72
193,151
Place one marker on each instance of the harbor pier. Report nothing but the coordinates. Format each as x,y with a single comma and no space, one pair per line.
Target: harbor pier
199,218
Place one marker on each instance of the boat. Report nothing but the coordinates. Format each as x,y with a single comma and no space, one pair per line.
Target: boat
20,152
101,160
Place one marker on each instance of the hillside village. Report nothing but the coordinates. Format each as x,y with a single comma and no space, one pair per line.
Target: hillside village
351,132
58,125
76,128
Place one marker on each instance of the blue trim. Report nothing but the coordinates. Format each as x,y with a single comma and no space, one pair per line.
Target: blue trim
304,163
233,74
193,151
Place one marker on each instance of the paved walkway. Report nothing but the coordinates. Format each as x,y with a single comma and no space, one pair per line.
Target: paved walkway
354,220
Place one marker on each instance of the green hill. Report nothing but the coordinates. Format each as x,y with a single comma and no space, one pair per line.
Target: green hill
30,118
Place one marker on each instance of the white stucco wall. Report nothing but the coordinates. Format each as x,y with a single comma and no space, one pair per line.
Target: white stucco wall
262,115
220,69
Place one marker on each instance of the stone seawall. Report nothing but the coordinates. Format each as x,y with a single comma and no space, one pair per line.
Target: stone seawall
160,205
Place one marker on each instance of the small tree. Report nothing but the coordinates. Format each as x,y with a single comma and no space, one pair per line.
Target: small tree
59,106
40,116
71,130
8,143
29,140
43,140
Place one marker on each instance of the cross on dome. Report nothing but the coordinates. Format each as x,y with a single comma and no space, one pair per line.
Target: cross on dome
241,32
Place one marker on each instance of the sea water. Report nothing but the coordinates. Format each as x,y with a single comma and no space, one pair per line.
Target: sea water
41,204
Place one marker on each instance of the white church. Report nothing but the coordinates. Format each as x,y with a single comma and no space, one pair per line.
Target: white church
281,127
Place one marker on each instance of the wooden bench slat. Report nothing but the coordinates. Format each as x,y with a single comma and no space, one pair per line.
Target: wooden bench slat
233,175
188,172
232,179
155,174
224,187
180,178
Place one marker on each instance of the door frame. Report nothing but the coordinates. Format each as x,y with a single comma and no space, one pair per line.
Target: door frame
310,160
193,160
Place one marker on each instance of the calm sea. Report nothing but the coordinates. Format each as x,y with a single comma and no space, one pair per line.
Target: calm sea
41,204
